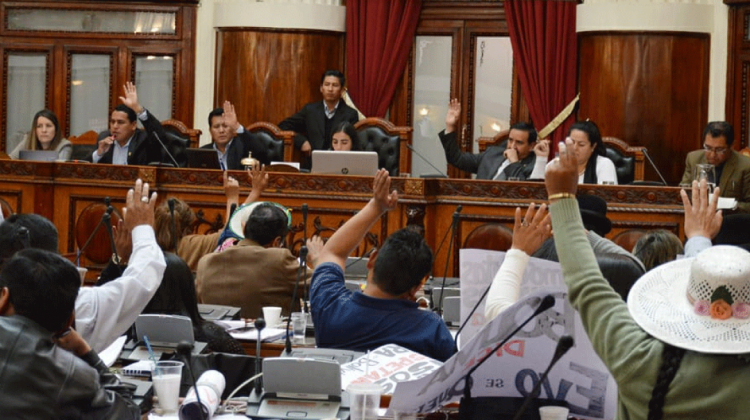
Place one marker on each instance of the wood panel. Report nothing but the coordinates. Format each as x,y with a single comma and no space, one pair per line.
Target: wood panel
649,89
61,192
270,74
738,71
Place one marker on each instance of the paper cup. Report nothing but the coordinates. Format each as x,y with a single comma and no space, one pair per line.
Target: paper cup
272,315
364,401
552,412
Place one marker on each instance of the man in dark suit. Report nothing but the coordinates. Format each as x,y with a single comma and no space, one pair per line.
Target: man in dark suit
124,143
315,121
732,169
230,139
511,160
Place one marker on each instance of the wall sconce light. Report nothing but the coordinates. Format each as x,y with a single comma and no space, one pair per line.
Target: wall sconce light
424,111
76,82
496,127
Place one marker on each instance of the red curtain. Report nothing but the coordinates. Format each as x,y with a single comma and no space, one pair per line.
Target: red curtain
379,36
543,37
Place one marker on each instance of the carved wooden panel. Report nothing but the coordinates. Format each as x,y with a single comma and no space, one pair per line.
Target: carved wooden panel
649,89
270,74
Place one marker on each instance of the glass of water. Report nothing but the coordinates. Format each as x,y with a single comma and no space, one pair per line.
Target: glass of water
299,325
708,172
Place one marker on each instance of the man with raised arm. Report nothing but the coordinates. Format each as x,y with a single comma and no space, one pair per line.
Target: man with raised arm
124,143
386,311
230,139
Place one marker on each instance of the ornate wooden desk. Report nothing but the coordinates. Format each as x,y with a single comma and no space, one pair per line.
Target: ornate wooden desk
63,191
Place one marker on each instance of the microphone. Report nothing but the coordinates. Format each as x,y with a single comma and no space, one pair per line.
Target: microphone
653,165
174,161
105,217
426,160
454,223
565,343
302,266
546,303
474,309
170,203
304,281
184,350
260,323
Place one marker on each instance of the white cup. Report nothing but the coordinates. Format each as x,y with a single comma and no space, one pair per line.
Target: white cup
82,272
272,315
552,412
166,376
364,401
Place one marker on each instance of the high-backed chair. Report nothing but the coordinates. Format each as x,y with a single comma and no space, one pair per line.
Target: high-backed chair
491,236
278,143
389,141
628,238
496,140
83,145
628,160
190,136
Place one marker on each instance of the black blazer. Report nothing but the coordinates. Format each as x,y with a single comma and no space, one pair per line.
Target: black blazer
309,123
144,148
485,164
238,150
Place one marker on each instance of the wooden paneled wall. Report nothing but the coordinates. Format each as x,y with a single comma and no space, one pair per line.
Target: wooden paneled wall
649,89
270,74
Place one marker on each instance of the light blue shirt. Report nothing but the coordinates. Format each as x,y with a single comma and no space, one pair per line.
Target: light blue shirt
330,114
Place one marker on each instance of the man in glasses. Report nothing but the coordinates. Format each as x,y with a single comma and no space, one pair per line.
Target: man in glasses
732,169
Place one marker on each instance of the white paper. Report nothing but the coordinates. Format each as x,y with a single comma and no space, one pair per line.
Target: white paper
266,334
110,354
386,366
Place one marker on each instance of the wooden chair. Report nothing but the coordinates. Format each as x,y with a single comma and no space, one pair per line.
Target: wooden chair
497,139
491,236
179,129
99,251
628,238
280,144
389,141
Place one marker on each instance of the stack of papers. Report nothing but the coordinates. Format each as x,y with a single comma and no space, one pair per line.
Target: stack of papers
241,331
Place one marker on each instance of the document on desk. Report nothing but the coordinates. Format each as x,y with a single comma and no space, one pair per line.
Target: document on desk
386,366
242,331
110,354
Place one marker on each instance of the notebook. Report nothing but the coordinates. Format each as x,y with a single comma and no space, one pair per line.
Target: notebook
41,155
202,158
329,162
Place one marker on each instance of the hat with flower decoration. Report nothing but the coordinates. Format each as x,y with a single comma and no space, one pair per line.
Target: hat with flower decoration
700,304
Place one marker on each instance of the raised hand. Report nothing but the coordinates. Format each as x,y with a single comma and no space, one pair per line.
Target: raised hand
230,116
530,232
381,185
562,174
541,149
451,118
314,247
131,98
701,216
231,188
139,208
123,240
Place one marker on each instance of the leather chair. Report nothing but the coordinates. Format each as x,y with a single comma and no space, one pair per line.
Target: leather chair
279,144
628,238
389,141
628,160
491,236
179,138
83,146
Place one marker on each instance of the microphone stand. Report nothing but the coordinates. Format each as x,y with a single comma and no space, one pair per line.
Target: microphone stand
302,266
653,165
170,203
454,223
174,161
409,146
260,323
106,217
107,220
466,321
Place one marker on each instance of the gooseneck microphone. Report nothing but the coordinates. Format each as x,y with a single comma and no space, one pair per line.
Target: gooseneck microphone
174,161
653,165
184,350
304,263
170,203
565,343
260,323
302,266
105,218
409,146
466,321
454,224
546,303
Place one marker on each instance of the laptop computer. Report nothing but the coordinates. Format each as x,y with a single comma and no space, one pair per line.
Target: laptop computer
164,333
202,158
40,155
330,162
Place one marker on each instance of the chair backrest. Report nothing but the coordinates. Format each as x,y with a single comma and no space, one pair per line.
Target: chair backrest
496,140
99,251
389,141
628,160
278,143
491,236
179,129
628,238
83,145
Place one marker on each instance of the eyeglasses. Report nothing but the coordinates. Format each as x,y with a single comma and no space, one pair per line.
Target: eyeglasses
717,150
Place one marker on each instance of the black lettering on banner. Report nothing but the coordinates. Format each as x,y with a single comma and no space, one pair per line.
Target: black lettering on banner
494,383
596,395
546,392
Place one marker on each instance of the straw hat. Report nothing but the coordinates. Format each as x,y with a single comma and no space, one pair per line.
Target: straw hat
242,213
700,304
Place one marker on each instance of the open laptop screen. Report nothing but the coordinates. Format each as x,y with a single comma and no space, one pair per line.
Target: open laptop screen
329,162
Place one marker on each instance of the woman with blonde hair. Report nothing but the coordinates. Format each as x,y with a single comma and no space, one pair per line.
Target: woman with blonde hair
44,135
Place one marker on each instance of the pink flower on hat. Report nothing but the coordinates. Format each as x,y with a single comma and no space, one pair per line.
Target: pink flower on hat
741,310
702,307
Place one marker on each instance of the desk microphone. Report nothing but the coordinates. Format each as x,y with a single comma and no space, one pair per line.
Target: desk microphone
653,165
170,203
302,266
105,217
260,323
454,223
409,146
547,302
174,161
184,350
565,343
